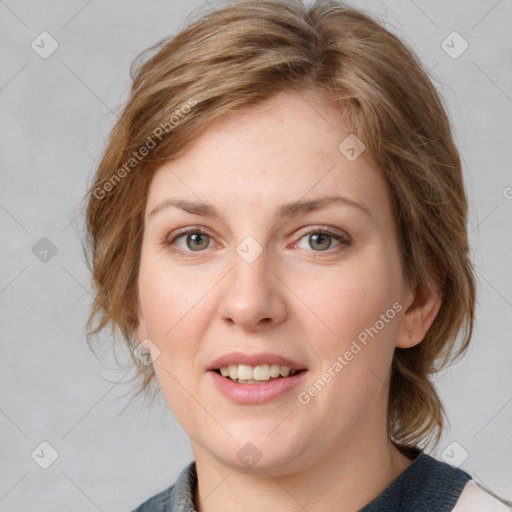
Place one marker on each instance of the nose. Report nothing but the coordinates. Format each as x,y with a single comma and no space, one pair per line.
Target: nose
253,295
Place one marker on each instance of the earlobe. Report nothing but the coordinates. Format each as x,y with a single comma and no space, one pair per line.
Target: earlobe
419,316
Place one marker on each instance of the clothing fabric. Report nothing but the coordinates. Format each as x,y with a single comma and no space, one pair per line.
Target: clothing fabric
426,485
475,499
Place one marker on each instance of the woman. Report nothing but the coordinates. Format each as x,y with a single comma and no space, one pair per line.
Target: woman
278,229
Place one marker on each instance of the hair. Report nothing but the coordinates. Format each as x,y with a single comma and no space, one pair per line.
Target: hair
241,55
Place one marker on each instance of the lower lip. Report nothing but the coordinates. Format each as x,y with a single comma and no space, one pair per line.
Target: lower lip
255,393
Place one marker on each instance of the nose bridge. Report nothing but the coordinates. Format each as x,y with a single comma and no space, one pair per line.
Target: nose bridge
253,296
250,267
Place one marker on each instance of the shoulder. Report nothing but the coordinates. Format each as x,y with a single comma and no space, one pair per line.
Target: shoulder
177,497
428,484
475,499
158,502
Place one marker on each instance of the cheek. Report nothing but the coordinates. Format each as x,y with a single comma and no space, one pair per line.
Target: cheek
169,302
169,295
177,308
356,303
355,306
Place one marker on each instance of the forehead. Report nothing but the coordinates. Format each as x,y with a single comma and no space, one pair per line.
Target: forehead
285,149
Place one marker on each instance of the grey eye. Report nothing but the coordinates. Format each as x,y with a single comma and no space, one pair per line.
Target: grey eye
197,241
320,241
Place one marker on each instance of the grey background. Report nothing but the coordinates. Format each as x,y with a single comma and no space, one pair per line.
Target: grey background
55,116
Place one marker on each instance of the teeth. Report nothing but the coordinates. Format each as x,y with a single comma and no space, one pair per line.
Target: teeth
233,371
285,371
275,370
244,371
264,372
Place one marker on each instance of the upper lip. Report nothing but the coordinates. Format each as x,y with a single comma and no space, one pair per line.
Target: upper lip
254,360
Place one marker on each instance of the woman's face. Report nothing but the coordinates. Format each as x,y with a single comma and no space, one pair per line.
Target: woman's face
257,273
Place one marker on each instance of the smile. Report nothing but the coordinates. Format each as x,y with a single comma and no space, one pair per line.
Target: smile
252,391
247,374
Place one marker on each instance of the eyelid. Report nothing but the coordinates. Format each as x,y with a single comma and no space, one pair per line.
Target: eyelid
190,229
331,230
340,235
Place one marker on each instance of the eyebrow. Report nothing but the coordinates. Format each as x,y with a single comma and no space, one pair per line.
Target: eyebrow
287,210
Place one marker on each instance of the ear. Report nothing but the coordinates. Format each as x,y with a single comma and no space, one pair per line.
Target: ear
422,305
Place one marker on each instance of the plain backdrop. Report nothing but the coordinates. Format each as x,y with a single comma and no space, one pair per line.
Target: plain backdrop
56,113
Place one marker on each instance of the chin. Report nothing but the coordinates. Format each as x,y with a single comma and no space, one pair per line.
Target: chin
259,454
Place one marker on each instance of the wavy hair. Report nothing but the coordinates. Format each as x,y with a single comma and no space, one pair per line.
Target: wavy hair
243,54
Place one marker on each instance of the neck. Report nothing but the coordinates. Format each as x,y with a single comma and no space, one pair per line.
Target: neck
345,478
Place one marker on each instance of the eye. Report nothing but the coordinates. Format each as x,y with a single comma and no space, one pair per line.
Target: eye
320,240
197,240
193,240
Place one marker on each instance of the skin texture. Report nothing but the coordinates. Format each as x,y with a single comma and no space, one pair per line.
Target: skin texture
294,300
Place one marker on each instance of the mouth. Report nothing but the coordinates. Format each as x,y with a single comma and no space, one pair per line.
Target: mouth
245,384
257,375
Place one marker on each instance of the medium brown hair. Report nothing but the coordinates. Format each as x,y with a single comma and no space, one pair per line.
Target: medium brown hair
243,54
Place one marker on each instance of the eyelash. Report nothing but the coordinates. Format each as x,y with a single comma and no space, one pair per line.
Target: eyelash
318,230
